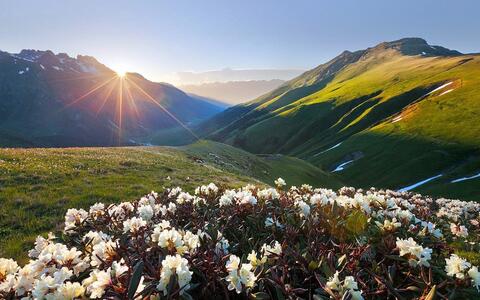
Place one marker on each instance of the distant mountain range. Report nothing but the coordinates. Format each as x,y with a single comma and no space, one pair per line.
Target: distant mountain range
233,92
49,99
401,114
229,74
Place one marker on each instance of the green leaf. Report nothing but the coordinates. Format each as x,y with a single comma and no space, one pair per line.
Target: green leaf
432,293
312,265
261,296
356,222
279,292
341,261
186,296
135,280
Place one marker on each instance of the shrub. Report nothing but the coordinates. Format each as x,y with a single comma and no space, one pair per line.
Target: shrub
272,243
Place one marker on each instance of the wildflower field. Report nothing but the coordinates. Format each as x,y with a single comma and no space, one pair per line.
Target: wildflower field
257,243
37,186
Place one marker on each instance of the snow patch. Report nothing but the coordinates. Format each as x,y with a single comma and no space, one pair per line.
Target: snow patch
440,87
423,53
396,119
23,71
41,66
57,68
341,166
411,187
87,68
333,147
465,178
446,92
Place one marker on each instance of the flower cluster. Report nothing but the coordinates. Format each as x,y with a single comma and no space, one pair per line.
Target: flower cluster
297,242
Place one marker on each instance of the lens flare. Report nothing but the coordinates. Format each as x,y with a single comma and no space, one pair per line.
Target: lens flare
118,94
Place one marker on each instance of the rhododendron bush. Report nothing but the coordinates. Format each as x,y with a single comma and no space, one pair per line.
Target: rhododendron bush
273,243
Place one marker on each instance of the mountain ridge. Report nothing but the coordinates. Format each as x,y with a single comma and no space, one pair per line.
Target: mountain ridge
53,99
403,95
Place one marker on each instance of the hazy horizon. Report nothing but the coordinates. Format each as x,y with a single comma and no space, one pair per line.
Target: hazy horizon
161,39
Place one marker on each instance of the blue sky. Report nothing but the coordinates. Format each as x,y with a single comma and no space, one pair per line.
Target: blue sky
158,38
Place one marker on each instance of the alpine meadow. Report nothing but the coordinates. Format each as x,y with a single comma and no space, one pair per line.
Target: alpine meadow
239,150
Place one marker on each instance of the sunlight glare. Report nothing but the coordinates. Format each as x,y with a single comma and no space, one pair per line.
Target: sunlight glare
121,73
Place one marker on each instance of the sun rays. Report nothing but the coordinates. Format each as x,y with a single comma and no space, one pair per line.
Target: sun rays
120,95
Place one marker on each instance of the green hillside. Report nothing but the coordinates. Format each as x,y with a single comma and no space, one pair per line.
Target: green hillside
37,186
398,113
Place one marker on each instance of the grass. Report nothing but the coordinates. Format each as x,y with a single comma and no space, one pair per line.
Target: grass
37,186
266,168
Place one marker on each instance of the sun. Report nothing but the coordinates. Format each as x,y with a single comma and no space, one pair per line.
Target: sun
121,73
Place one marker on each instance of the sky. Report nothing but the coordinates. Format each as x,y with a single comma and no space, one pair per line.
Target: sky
160,38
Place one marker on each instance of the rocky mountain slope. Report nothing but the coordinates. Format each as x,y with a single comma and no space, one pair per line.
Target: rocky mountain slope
49,99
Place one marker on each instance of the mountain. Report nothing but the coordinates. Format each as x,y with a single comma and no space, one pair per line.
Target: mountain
49,99
233,92
228,74
402,114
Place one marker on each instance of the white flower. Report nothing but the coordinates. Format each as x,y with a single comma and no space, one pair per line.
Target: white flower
456,266
350,283
74,217
232,263
40,244
93,238
459,230
280,182
268,194
245,197
170,239
239,274
349,286
389,225
174,192
97,210
145,212
184,198
270,222
172,207
174,265
42,286
334,282
304,208
417,255
221,247
475,276
103,252
254,261
227,198
96,284
133,225
119,268
7,266
270,250
207,190
69,290
320,200
121,210
192,241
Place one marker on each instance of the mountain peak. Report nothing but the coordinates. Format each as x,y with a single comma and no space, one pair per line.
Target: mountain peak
414,46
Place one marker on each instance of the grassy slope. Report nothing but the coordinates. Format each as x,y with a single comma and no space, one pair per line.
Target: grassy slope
356,107
266,168
38,185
